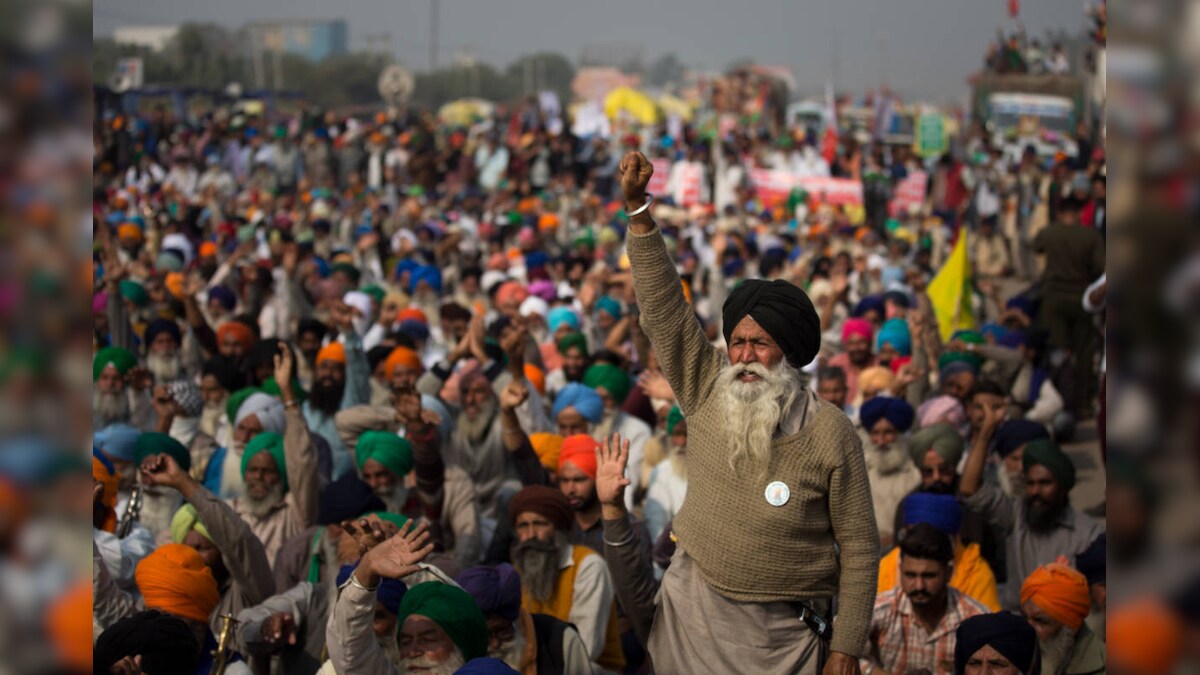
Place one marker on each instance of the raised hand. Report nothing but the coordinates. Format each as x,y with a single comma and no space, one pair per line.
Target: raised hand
408,406
369,532
635,171
397,557
611,459
342,316
655,385
279,629
513,395
283,372
163,470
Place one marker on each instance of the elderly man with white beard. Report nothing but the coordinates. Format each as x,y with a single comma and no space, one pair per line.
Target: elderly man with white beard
778,516
1055,600
178,406
889,468
164,358
121,390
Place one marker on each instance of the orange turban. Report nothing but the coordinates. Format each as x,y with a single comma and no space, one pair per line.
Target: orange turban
174,284
547,221
103,473
402,356
412,314
208,248
130,231
1144,637
1060,592
687,292
536,377
240,331
175,580
334,351
579,450
547,447
511,291
69,625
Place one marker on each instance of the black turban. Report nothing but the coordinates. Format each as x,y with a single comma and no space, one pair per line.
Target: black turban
159,326
1008,634
229,375
783,310
165,643
1014,434
345,498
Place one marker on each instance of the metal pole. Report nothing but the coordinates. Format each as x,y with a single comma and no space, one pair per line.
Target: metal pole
433,34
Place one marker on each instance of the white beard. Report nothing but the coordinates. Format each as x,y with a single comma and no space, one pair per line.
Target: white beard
164,367
447,667
1057,652
473,430
888,459
391,649
513,651
111,408
396,498
210,418
608,424
261,508
678,462
1013,487
755,409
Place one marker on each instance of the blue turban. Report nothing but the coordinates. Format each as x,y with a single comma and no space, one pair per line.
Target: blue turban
1013,434
390,591
414,329
562,315
941,511
891,274
497,590
895,410
323,268
1013,339
536,259
895,332
427,273
160,326
116,440
1022,303
610,306
223,295
997,331
871,302
582,398
406,265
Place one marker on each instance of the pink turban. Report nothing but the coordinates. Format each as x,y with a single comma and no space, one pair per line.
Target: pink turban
941,409
855,327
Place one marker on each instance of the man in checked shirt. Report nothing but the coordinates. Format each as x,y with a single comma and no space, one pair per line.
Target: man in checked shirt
913,626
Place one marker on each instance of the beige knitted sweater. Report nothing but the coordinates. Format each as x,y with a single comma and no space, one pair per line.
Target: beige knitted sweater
822,541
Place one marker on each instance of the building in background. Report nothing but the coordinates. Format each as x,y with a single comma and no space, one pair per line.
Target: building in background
314,39
154,38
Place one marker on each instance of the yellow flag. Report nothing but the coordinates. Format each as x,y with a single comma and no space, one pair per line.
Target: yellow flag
950,292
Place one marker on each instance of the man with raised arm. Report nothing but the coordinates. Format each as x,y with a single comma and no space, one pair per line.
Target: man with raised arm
778,518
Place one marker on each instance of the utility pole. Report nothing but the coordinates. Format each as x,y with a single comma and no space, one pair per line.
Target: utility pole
433,34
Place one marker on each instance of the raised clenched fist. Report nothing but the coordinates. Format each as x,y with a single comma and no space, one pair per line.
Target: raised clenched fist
635,171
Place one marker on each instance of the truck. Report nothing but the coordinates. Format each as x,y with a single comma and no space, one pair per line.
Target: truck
1019,111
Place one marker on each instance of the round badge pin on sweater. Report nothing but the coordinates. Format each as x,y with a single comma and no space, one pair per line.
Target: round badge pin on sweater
778,493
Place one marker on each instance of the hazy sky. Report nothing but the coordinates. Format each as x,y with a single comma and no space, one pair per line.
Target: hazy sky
921,47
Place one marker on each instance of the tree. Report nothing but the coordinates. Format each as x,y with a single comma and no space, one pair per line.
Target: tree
665,70
536,72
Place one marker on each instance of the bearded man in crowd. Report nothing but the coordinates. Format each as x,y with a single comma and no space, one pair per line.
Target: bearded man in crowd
765,447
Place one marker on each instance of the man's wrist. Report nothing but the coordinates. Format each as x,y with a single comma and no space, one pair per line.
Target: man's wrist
613,511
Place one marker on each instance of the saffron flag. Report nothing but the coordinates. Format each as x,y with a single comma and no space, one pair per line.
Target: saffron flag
950,292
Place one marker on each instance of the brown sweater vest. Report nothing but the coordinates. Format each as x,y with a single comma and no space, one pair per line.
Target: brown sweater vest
559,607
745,548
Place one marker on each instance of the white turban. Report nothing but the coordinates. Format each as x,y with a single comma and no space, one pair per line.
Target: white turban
266,408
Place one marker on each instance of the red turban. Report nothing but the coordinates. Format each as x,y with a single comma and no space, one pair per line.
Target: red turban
579,450
334,351
412,314
854,327
240,331
402,356
175,580
1060,592
544,501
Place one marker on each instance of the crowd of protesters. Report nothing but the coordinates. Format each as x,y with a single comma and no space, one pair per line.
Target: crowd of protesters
368,381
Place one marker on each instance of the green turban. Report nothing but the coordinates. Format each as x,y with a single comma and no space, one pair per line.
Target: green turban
971,359
376,292
941,438
118,357
573,340
673,419
614,380
1045,452
349,270
155,443
271,387
236,399
134,292
451,608
267,441
393,452
187,519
